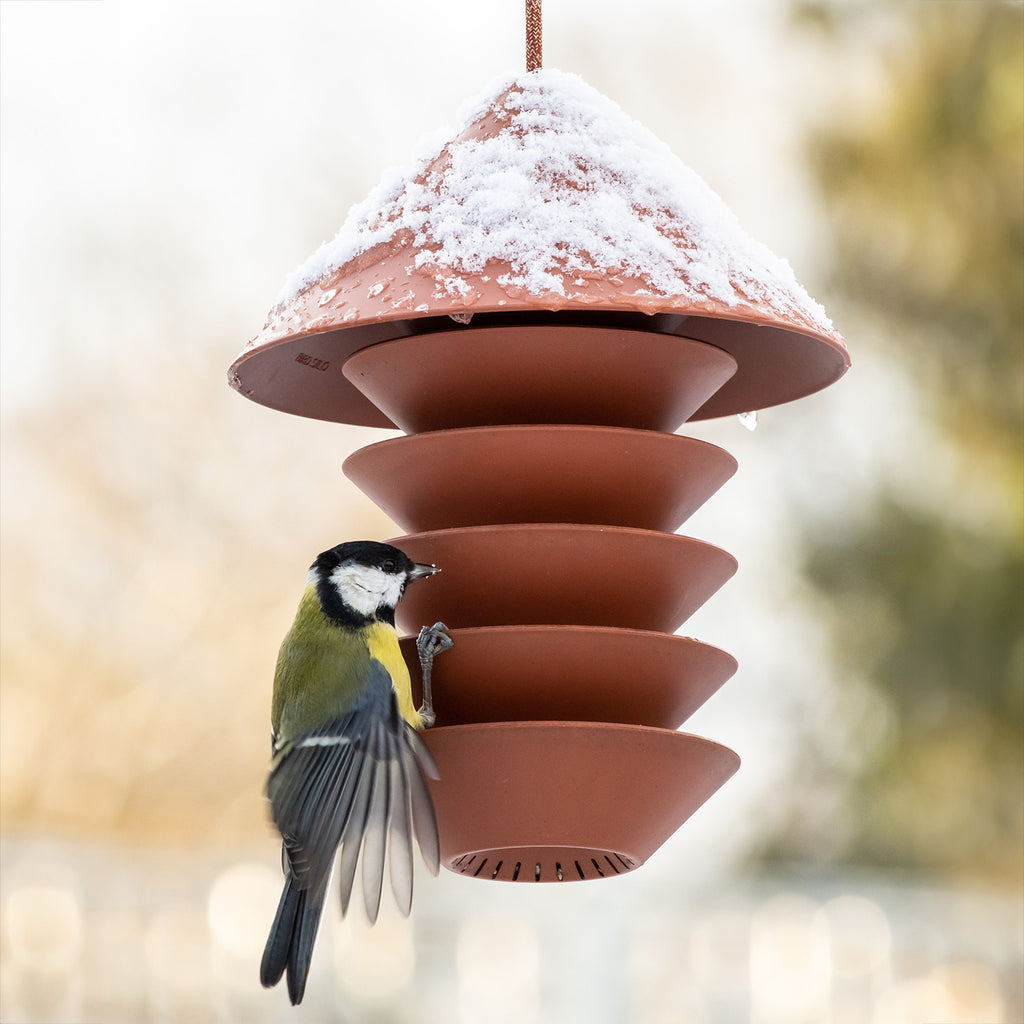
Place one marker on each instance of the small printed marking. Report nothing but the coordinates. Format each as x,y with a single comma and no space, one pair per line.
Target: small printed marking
312,362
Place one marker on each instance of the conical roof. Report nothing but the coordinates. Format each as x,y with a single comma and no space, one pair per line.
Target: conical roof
547,204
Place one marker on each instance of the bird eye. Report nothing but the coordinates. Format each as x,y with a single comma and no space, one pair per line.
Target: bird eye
388,565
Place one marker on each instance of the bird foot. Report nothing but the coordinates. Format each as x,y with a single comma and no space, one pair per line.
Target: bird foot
431,642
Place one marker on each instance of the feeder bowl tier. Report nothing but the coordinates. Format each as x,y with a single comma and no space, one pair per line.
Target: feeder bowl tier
296,365
560,574
570,673
564,801
539,374
540,474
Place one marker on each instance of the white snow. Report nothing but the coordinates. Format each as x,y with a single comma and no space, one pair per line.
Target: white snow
568,188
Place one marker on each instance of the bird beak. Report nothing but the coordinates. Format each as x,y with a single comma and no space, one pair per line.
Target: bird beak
419,569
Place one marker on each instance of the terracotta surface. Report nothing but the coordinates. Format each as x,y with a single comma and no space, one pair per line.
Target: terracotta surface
540,374
535,574
300,371
391,291
540,474
571,673
529,801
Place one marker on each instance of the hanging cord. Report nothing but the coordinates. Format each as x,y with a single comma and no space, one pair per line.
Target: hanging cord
534,36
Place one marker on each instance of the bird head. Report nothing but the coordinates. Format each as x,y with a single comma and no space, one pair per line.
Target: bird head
364,580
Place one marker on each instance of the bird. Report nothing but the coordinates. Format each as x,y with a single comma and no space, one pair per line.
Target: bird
348,769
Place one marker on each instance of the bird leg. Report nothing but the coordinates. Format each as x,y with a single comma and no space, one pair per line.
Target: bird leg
431,642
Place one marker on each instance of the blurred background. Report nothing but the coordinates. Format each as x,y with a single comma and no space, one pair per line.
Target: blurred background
164,167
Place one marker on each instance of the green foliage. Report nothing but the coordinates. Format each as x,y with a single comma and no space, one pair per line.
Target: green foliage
927,197
926,193
930,612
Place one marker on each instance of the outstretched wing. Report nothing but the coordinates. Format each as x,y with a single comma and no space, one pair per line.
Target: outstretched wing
359,783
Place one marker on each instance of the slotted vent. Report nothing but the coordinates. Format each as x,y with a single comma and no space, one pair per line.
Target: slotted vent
543,864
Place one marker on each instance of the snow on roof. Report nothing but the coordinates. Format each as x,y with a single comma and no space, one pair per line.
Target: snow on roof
547,176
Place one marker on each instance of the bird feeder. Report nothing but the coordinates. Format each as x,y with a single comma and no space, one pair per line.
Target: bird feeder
539,304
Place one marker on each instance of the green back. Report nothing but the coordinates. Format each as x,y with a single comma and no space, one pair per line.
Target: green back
321,668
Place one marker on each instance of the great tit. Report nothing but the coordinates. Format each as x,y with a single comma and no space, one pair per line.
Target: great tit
348,768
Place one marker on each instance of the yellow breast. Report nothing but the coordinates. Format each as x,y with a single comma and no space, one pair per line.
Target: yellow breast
382,640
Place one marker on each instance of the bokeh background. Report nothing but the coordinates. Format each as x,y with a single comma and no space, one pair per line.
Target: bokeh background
164,167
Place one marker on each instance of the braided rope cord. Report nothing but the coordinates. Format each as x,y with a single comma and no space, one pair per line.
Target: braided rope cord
534,36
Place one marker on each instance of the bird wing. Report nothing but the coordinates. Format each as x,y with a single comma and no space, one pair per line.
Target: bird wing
359,783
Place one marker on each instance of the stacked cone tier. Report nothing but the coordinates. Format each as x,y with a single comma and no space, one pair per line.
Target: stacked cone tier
549,498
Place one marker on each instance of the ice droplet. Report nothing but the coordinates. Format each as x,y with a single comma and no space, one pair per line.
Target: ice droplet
461,318
748,419
327,296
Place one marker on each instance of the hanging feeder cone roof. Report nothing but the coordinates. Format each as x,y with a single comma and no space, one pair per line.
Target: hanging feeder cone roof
547,205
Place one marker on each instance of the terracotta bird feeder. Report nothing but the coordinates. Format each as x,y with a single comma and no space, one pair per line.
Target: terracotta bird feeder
539,304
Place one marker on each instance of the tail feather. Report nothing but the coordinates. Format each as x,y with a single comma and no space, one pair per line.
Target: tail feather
290,945
275,955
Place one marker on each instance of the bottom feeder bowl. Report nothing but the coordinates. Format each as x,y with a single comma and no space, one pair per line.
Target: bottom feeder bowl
564,801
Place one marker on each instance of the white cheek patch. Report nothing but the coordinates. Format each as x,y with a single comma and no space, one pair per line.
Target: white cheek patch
365,588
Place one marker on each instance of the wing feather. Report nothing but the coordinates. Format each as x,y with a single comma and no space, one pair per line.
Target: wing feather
352,833
375,834
400,835
424,821
421,755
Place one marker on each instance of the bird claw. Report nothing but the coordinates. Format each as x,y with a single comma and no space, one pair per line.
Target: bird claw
431,642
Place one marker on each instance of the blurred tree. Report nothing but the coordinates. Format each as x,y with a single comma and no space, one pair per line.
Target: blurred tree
926,195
